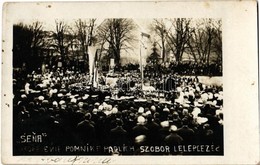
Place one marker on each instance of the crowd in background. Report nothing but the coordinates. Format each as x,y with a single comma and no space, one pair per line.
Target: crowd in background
183,68
66,106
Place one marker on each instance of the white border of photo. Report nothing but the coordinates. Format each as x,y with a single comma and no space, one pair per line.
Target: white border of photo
240,74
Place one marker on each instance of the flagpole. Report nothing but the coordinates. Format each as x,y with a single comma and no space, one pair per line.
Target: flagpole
141,64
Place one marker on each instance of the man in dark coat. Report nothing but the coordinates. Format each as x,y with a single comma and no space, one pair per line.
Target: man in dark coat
186,133
118,135
153,137
140,129
86,130
173,139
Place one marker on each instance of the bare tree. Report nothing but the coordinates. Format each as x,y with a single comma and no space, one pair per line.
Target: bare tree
118,34
197,45
71,39
85,29
178,36
37,40
28,40
217,41
59,35
210,36
204,39
159,27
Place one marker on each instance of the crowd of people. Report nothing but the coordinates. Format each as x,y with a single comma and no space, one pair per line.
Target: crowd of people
150,70
183,68
66,106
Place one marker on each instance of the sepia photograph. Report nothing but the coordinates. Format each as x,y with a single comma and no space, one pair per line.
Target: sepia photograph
138,83
106,87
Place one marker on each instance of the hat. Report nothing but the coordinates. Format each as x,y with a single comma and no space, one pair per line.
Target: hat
140,120
54,91
140,138
54,103
141,110
73,100
165,124
45,101
202,120
153,108
95,111
85,97
148,113
23,96
166,109
80,104
41,98
186,105
107,97
101,107
114,110
72,96
175,114
173,128
94,96
97,104
60,95
62,102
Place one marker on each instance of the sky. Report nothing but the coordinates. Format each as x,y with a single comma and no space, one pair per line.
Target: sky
70,12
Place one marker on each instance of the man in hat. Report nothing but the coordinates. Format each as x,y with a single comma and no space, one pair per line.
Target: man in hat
186,133
86,130
153,131
164,130
140,128
118,135
176,120
173,139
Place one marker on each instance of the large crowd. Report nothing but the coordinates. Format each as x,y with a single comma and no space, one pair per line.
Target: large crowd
66,106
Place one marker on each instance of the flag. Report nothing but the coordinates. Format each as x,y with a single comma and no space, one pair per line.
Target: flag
91,54
145,35
143,45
